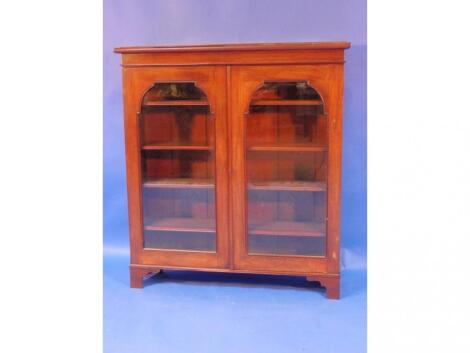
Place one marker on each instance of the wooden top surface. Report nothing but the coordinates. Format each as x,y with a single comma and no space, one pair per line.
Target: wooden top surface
233,47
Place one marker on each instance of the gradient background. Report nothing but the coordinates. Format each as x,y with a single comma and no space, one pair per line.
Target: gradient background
198,312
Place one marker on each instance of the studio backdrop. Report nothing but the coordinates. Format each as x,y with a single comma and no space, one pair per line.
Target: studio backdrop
238,21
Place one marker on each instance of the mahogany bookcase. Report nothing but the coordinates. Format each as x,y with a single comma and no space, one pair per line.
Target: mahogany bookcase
233,157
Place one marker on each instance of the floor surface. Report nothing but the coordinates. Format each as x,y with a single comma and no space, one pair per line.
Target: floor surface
196,312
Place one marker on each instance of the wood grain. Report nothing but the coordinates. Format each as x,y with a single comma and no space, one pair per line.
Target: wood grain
288,185
289,148
289,229
182,225
177,103
176,147
286,102
181,183
229,47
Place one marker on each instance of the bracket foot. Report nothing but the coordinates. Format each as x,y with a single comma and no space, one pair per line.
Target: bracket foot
330,283
138,275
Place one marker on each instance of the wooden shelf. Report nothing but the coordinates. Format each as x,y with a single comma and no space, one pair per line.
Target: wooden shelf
288,229
183,183
175,147
197,225
289,148
287,102
176,103
288,185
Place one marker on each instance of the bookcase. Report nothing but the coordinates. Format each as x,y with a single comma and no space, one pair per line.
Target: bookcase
233,158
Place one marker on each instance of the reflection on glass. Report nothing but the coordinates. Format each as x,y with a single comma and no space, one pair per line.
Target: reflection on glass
286,91
177,145
286,170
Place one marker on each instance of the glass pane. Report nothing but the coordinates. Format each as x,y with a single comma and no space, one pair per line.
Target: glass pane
286,91
177,137
165,91
286,170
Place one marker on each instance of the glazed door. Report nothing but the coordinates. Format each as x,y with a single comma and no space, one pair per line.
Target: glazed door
283,168
176,145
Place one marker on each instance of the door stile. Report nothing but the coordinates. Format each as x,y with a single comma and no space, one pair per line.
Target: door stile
335,123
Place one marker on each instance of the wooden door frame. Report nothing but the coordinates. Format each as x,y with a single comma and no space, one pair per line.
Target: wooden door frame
212,80
327,79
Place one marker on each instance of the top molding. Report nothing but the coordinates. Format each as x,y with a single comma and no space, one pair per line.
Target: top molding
233,47
234,54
